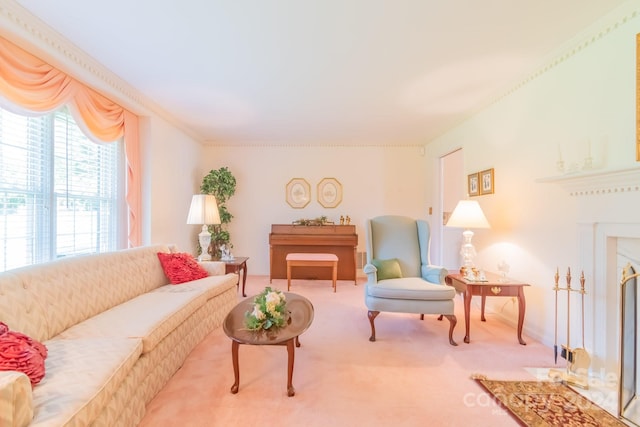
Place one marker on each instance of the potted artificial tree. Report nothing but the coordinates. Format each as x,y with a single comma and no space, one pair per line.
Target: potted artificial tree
222,184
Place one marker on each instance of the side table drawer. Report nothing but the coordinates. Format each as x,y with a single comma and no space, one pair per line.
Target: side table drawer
498,291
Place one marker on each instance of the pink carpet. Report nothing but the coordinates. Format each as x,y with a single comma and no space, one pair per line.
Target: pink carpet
410,376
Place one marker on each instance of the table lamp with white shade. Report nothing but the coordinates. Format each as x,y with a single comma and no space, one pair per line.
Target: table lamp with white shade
468,215
204,210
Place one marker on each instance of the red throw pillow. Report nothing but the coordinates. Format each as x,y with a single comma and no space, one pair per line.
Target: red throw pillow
181,267
21,353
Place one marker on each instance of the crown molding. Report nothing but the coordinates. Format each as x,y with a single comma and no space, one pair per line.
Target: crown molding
32,34
587,38
598,182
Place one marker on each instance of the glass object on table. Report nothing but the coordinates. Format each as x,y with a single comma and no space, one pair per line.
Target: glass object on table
503,268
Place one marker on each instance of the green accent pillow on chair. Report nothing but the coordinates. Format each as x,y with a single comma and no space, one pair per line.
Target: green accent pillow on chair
387,268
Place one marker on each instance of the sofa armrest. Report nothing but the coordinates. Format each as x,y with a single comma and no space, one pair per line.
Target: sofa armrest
16,399
434,273
214,268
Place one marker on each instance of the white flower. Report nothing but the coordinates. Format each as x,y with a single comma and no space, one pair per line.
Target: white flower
272,298
257,313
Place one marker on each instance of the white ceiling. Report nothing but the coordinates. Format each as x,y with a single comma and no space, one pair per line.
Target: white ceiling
355,72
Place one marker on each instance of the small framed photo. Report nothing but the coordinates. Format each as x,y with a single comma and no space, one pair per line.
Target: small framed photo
486,182
472,181
298,193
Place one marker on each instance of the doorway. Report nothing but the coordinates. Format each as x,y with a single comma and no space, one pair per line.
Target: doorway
453,189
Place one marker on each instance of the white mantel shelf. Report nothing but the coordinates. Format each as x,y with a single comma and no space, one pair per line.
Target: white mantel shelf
597,182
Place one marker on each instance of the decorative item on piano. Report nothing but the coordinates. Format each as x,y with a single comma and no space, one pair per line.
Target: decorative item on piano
321,220
344,220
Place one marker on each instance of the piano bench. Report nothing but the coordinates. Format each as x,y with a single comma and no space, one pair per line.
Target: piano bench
312,260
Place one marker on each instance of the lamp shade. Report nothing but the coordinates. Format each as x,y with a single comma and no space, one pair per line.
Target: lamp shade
468,214
203,210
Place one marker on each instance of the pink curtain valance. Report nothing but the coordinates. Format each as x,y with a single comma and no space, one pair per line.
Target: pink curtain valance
33,84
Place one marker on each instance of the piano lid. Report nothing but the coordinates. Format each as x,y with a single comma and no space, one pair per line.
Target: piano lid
312,229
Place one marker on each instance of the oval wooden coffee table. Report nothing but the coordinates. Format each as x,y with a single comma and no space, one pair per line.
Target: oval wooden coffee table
301,316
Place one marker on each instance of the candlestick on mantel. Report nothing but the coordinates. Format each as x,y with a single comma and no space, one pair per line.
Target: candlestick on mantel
588,161
559,163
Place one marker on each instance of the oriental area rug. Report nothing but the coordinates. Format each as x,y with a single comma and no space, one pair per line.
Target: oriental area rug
546,403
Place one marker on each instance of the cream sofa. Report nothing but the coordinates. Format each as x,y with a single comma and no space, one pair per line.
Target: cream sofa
115,330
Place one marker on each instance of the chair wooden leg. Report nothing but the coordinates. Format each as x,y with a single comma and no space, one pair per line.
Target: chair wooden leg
422,316
372,315
452,324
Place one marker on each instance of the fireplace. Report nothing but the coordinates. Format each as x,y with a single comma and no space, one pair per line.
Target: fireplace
605,249
608,239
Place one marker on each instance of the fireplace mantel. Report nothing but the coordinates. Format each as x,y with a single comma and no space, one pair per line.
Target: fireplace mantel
597,182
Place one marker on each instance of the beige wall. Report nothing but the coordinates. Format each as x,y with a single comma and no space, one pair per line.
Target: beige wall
586,94
375,181
170,180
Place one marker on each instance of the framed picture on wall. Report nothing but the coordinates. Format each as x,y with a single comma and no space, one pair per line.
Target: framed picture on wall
329,192
486,181
298,193
473,186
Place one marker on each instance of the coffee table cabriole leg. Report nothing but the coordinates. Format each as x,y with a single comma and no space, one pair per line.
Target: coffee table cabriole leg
291,350
236,368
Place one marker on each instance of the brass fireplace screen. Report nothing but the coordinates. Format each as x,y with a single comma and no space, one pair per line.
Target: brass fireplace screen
628,403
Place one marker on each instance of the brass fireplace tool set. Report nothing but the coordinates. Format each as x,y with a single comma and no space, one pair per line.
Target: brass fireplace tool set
578,360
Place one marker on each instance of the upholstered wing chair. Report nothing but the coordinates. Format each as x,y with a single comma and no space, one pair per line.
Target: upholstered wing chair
399,276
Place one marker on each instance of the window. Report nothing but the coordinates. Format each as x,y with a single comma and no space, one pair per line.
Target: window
59,191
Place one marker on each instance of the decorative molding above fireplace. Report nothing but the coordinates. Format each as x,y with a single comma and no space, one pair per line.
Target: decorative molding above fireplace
597,182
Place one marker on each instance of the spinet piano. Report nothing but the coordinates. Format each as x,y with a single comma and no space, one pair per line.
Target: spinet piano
341,240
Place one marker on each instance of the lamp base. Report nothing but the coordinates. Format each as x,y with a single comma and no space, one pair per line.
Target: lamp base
467,251
204,238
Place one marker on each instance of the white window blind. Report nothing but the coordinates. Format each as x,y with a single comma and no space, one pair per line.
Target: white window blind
58,190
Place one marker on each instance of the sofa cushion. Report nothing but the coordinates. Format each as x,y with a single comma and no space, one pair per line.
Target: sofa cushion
19,308
410,288
181,267
82,376
387,268
152,316
45,299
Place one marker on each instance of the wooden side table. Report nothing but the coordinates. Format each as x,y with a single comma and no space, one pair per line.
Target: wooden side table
495,286
237,265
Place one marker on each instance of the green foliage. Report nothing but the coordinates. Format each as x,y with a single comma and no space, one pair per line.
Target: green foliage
10,204
222,184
